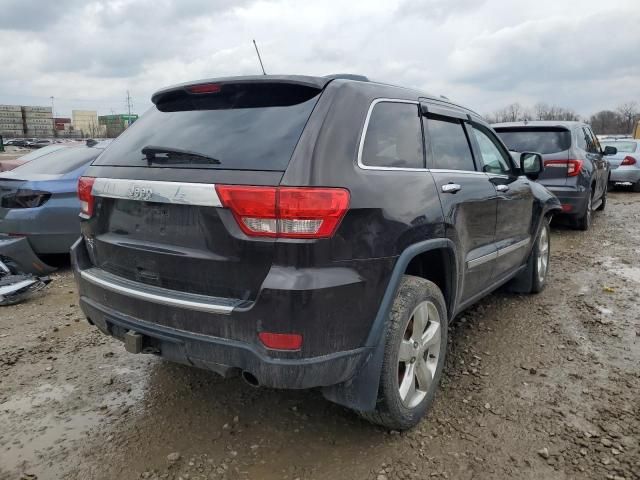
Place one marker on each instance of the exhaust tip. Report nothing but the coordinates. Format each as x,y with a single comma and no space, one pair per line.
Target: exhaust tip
250,379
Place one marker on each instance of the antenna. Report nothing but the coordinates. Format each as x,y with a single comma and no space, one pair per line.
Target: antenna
259,58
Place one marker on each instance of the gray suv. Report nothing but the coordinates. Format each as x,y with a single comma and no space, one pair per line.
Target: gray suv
576,170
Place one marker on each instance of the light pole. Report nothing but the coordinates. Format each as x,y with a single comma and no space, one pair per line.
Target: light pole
53,117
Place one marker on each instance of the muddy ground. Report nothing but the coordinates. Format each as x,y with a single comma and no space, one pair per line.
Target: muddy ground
536,387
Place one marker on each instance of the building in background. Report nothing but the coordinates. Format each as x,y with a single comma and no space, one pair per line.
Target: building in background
38,121
86,122
61,123
11,123
116,124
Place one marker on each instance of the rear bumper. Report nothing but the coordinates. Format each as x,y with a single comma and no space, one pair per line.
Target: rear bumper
226,356
333,315
622,174
573,200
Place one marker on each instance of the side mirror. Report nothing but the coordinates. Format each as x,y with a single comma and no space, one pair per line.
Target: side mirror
609,150
531,164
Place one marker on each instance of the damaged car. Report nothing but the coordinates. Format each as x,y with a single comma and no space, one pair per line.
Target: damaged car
39,216
307,232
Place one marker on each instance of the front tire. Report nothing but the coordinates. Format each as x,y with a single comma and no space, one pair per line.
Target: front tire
534,277
603,199
415,348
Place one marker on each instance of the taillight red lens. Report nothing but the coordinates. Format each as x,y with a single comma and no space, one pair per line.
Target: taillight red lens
85,185
205,88
281,341
286,212
574,167
628,160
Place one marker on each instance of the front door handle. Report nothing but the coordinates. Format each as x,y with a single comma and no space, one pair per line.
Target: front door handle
451,188
502,188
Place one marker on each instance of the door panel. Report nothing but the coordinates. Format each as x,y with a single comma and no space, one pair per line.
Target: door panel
515,201
471,214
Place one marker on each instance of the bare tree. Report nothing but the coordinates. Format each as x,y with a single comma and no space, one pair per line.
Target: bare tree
607,122
628,111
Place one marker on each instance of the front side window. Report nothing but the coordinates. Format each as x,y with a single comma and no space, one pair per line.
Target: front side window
393,137
449,145
492,158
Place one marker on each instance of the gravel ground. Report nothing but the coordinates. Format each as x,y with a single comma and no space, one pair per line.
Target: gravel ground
543,386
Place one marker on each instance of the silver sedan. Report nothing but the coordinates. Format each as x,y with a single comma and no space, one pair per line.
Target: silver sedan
625,165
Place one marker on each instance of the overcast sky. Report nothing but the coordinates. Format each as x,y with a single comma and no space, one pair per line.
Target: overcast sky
581,54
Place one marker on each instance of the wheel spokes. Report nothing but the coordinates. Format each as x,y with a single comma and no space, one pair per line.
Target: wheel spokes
420,319
408,383
424,375
431,336
406,351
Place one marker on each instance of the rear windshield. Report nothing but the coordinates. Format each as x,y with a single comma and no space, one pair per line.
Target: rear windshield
538,140
252,127
59,162
623,147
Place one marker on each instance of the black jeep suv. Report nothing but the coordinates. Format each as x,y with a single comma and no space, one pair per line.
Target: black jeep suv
307,232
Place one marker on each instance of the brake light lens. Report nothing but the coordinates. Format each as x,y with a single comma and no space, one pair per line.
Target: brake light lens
285,212
574,167
205,88
281,341
85,186
628,160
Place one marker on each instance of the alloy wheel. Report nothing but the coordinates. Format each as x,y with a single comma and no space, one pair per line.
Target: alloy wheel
543,254
419,353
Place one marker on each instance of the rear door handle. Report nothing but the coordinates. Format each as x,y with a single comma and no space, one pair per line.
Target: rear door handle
502,188
451,188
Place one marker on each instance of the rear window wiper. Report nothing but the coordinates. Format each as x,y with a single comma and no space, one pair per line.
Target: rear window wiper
176,154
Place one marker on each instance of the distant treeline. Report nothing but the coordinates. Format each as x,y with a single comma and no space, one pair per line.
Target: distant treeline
618,121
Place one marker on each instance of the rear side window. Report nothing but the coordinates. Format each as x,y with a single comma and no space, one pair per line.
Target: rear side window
544,141
449,145
393,137
238,127
59,162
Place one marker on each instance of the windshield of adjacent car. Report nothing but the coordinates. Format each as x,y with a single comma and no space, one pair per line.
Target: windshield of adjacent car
623,147
246,128
59,162
540,140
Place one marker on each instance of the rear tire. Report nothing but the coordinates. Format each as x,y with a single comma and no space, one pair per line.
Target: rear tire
415,347
583,222
534,277
636,187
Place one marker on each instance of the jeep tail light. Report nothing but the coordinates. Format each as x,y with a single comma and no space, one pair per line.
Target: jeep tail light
574,167
205,88
85,185
628,160
281,341
285,212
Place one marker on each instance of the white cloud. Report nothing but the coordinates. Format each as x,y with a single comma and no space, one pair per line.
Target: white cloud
579,54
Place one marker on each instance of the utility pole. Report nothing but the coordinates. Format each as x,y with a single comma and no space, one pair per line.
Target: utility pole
128,109
259,58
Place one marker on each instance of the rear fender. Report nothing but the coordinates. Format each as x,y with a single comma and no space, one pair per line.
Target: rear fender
361,391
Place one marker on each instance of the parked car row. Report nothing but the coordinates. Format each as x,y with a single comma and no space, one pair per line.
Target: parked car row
577,169
308,231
